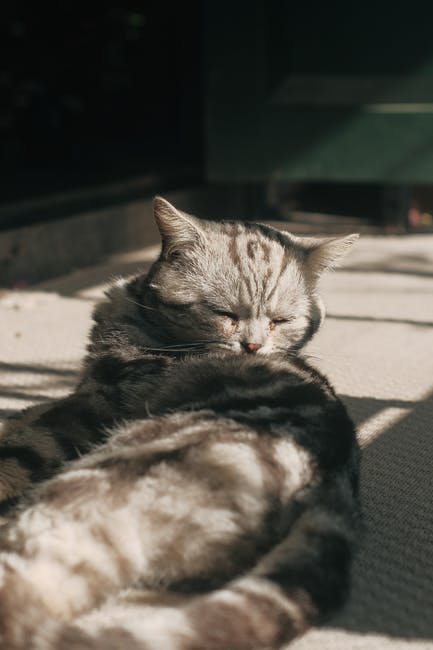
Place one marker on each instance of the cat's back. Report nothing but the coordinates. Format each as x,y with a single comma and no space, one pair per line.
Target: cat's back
261,397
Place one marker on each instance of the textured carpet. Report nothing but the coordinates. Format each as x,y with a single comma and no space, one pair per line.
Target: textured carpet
377,348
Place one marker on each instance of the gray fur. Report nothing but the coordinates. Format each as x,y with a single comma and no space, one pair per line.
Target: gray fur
223,513
206,273
226,521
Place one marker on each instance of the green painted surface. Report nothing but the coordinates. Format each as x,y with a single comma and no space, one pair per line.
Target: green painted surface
341,93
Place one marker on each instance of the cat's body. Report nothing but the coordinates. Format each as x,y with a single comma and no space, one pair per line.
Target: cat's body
242,479
243,494
206,272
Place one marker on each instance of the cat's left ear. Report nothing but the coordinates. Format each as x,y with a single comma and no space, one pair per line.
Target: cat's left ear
327,253
179,231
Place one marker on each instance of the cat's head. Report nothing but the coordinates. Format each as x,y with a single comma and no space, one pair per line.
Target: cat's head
237,286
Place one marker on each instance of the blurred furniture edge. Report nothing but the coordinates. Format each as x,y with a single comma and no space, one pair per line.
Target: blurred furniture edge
328,95
325,96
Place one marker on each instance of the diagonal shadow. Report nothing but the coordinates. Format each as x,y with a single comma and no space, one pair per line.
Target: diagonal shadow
363,408
373,319
382,268
29,397
37,369
40,391
72,284
41,388
393,574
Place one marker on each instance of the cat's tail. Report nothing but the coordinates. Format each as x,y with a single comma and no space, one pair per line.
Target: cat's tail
300,582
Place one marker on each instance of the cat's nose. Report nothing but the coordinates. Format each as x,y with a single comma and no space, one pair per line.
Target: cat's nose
251,347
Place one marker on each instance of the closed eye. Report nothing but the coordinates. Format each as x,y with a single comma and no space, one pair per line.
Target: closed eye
280,320
226,314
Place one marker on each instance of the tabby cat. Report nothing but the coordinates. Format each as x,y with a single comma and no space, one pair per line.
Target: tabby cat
224,518
232,286
226,521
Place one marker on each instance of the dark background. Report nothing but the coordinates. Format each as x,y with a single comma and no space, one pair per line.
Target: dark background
96,93
111,101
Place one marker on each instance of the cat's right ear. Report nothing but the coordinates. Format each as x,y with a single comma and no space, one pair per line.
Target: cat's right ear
179,231
325,253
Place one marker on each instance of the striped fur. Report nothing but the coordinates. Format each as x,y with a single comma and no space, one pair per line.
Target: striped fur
224,521
215,286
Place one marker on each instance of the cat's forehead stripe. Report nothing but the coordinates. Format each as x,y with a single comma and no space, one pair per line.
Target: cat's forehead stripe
232,249
283,266
260,262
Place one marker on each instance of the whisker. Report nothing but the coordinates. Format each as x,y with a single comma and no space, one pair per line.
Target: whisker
196,347
194,350
198,343
313,356
173,349
140,304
